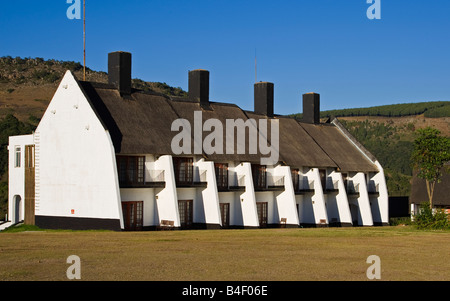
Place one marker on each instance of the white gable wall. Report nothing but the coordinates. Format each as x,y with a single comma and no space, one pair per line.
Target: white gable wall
76,167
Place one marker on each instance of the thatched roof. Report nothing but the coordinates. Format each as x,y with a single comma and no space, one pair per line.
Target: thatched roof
141,124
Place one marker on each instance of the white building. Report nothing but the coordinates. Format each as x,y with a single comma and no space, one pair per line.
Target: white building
101,158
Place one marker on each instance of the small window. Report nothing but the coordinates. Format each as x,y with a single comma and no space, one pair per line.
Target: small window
221,175
184,168
131,170
259,176
17,156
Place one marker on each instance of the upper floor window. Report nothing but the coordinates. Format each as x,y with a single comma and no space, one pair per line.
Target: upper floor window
221,175
17,156
183,168
259,176
131,170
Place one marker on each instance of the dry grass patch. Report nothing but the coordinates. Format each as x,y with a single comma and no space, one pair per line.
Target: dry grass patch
228,255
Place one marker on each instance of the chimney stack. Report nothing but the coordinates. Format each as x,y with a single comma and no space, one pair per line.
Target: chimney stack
311,108
119,71
264,98
199,86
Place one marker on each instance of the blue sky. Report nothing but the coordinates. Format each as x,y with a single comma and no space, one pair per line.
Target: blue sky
324,46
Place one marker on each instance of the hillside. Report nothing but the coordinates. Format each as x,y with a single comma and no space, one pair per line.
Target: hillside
431,109
27,86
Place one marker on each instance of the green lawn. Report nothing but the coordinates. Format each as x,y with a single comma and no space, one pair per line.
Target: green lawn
227,255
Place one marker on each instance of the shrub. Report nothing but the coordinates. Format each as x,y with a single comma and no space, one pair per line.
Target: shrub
427,219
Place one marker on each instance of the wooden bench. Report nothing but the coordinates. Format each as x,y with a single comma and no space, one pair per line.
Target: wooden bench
283,222
166,225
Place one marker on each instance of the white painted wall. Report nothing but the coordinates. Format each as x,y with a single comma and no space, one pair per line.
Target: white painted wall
16,177
285,200
76,166
380,204
210,195
365,213
166,199
248,198
312,208
337,203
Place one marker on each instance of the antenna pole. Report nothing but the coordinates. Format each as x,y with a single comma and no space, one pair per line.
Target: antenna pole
255,68
84,40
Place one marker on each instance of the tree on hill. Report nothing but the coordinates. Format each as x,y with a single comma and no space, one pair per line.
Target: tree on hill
431,153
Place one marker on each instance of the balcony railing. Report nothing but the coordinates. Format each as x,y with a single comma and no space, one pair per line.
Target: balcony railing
238,183
373,188
275,182
156,176
191,180
306,186
331,186
152,179
352,189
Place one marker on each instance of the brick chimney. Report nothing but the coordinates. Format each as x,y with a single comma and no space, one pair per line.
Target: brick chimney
311,108
119,71
264,98
199,86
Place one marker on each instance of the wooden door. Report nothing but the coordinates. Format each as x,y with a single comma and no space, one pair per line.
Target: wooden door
186,211
29,185
262,213
225,214
133,215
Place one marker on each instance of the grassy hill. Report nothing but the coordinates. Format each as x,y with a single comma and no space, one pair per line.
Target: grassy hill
28,84
432,109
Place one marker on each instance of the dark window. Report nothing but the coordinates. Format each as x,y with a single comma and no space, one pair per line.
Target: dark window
131,170
259,176
323,178
295,179
183,168
345,178
17,157
221,176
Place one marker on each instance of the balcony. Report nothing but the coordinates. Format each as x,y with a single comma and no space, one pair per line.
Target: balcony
352,189
239,183
185,170
305,186
132,173
275,183
193,182
155,179
373,188
331,186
